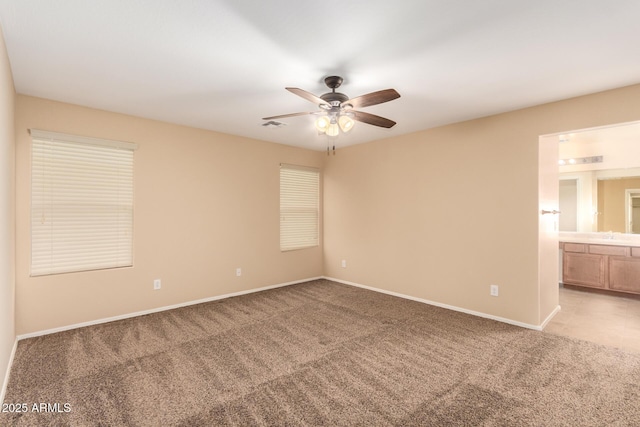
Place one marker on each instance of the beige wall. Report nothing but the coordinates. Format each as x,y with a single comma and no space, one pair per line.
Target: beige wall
397,210
611,203
7,210
205,203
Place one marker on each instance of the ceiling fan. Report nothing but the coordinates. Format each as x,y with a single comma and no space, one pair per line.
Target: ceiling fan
337,111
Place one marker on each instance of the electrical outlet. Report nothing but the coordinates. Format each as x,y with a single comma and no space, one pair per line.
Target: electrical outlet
238,272
344,263
494,290
157,284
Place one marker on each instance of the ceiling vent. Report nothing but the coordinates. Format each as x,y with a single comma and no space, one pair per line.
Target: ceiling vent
271,124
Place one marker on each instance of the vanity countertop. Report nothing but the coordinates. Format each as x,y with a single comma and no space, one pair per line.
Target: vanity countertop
613,239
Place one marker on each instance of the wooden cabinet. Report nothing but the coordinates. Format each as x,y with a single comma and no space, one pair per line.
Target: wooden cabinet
624,274
614,268
583,269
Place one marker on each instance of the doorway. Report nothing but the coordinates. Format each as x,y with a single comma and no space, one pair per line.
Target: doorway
578,181
632,211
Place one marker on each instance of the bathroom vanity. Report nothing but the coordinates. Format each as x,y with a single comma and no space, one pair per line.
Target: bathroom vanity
608,264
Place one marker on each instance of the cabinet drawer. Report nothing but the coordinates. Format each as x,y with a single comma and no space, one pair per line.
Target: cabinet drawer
635,252
609,250
575,247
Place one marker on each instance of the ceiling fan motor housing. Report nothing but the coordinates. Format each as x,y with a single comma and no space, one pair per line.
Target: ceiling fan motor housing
334,98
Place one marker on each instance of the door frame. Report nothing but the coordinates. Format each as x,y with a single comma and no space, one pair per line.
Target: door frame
629,194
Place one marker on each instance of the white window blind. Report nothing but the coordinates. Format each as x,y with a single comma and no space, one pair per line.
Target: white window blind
299,207
81,203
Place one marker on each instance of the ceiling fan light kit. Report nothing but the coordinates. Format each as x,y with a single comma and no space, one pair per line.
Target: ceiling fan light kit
346,123
329,125
322,124
332,130
337,109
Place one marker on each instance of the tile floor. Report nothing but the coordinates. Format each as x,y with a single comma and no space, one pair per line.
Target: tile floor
604,319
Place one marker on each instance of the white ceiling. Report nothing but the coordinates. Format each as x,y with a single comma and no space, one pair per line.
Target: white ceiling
223,64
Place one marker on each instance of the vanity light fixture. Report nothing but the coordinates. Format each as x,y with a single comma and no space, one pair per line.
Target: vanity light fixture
581,160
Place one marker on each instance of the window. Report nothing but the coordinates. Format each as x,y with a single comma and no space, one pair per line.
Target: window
81,203
299,207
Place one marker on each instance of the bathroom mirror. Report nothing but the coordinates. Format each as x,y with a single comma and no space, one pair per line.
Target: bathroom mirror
599,188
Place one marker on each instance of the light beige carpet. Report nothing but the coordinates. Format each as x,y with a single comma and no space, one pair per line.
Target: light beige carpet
320,353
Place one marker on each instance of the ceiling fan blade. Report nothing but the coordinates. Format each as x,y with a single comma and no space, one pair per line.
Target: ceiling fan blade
372,119
307,95
373,98
282,116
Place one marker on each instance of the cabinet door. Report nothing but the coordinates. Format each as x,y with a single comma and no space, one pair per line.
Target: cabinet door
624,274
583,269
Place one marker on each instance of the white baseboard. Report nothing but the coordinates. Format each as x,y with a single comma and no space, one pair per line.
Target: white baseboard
448,307
550,316
219,297
159,309
5,383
